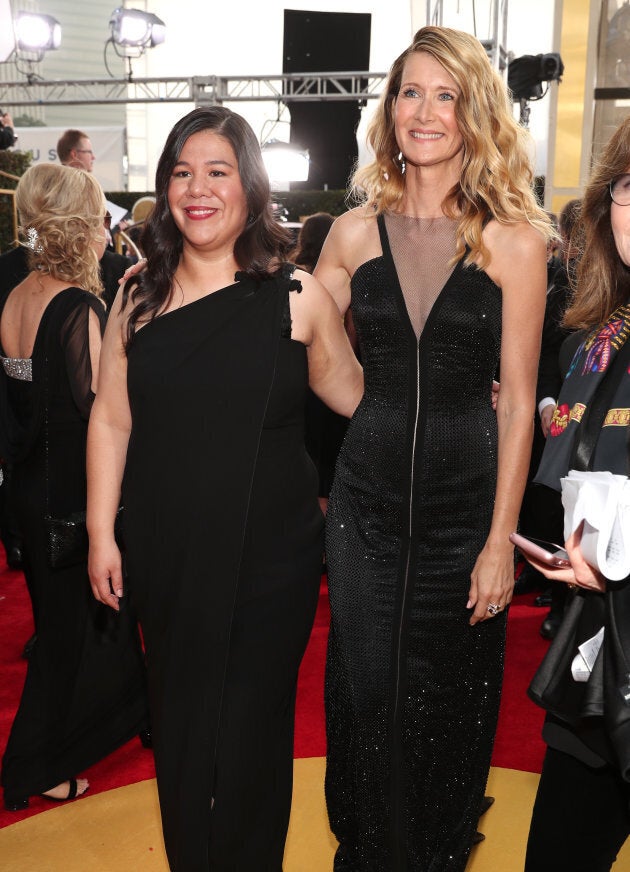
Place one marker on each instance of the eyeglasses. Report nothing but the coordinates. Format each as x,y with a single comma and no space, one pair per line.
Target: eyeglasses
620,190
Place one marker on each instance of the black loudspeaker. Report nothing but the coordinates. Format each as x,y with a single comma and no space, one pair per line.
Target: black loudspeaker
320,42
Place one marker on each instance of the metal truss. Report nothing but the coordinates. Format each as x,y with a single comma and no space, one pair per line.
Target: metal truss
495,45
201,90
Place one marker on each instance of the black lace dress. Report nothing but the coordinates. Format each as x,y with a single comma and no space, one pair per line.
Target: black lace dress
412,690
85,689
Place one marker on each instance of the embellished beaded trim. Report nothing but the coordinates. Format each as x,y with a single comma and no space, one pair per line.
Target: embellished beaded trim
18,367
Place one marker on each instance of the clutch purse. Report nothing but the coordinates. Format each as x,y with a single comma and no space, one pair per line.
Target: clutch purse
67,539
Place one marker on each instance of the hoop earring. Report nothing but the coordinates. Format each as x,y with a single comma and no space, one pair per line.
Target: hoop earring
402,162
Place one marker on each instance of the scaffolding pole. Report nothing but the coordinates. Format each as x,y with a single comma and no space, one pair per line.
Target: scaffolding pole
495,45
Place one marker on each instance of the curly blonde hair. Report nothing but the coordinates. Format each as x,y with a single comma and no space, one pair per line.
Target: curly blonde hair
61,213
496,179
602,281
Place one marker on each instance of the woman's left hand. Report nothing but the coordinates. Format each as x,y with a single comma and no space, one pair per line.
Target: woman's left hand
492,583
585,575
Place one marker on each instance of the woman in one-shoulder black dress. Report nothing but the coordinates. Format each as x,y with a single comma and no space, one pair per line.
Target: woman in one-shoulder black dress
222,526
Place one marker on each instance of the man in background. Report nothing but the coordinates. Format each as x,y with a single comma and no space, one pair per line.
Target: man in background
74,149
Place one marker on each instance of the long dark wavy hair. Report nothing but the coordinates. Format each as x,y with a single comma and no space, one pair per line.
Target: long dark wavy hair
603,280
262,245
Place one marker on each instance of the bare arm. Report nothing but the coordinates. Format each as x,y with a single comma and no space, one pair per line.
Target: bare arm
108,436
335,374
352,240
518,266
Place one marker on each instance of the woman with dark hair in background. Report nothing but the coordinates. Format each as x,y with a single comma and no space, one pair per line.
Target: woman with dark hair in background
311,237
581,816
85,692
199,418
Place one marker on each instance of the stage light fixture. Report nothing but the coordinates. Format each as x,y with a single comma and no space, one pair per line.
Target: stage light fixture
37,33
134,29
285,163
527,74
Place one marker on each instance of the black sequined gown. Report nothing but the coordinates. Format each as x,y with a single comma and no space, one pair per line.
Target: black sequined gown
412,691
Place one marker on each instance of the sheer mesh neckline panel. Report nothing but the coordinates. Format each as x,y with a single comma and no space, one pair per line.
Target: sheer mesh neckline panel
422,249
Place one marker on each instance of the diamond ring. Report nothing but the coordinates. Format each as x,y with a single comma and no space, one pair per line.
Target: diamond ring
493,608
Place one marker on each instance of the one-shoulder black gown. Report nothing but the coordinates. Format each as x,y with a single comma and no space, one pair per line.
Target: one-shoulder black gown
412,690
224,545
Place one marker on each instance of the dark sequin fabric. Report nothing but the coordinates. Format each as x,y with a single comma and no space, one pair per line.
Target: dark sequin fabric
412,691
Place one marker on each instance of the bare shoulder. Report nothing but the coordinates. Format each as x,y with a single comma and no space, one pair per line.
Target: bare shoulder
311,308
354,224
353,239
517,238
516,250
312,292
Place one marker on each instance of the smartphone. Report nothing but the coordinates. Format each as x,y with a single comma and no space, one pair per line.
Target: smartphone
539,549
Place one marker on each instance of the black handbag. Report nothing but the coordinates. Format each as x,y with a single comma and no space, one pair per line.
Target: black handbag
67,540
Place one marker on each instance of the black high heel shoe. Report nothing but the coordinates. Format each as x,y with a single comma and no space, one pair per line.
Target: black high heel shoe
15,803
12,803
146,738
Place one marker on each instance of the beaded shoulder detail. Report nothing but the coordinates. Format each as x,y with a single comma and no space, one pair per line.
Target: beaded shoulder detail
20,368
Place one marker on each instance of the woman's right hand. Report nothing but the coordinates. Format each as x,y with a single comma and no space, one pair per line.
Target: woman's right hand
105,571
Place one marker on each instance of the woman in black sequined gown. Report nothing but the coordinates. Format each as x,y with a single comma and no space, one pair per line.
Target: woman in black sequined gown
201,405
429,480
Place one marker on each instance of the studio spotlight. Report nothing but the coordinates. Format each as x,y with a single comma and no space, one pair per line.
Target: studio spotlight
526,75
285,163
134,29
37,33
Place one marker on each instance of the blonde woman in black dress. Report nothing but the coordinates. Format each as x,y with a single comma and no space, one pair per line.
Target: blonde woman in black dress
444,268
85,689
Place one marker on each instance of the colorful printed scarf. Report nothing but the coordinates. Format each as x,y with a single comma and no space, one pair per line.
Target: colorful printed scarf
586,372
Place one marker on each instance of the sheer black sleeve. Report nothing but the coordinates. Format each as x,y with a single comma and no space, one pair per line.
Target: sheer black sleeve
75,344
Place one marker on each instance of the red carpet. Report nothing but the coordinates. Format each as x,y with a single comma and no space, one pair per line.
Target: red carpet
518,744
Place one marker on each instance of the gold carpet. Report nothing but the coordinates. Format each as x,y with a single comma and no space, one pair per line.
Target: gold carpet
119,831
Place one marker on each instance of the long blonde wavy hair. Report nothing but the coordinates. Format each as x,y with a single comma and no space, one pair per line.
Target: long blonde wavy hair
496,179
62,211
602,280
